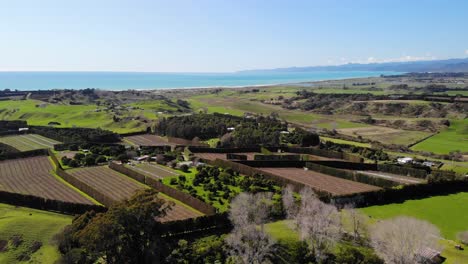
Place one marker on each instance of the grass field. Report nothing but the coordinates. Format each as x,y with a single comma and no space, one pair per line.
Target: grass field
448,213
453,138
39,113
28,142
33,225
386,135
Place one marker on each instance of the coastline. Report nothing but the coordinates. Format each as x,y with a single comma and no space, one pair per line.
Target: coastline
36,81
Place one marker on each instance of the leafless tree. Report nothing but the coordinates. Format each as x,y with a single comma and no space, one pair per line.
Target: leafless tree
402,240
250,245
318,224
463,237
247,209
357,220
289,202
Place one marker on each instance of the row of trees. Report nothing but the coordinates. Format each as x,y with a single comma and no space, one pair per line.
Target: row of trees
73,135
128,233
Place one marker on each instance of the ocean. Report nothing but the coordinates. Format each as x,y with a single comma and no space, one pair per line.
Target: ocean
151,80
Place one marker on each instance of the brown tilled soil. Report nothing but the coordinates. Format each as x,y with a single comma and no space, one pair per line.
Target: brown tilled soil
321,182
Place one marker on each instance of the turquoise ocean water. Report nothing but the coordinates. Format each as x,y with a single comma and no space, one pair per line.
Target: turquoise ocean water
145,80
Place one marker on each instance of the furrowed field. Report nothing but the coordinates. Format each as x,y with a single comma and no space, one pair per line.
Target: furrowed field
34,176
321,182
28,142
32,227
117,187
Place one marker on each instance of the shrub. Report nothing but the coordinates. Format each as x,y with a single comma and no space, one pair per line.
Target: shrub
173,181
184,168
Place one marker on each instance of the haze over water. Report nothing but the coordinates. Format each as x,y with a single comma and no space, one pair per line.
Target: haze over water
147,80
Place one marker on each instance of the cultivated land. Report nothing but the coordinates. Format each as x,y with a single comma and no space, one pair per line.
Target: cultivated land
153,170
33,226
34,176
453,138
147,140
321,182
119,187
108,182
394,177
28,142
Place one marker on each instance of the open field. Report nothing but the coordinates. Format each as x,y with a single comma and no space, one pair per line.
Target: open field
28,142
448,213
119,187
386,135
234,103
33,226
153,170
33,176
147,140
321,182
36,112
453,138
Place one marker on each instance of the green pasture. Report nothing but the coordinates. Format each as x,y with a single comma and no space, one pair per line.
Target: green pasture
39,113
453,138
448,213
32,225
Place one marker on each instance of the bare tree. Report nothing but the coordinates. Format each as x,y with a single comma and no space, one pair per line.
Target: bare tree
318,224
289,202
402,240
247,209
463,237
250,245
357,220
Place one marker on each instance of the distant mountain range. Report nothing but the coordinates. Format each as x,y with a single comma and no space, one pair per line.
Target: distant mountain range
449,65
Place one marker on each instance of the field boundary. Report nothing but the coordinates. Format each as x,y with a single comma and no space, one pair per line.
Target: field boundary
421,140
169,191
24,154
41,203
97,195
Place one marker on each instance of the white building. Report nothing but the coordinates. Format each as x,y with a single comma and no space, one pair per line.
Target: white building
405,160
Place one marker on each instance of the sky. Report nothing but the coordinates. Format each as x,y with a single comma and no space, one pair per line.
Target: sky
225,35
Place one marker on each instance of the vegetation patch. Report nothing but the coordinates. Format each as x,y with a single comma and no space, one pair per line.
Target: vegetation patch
451,139
446,212
29,234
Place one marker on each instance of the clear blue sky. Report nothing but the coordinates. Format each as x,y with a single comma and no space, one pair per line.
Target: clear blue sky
222,35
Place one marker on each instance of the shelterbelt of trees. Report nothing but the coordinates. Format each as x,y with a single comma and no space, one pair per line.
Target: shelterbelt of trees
234,131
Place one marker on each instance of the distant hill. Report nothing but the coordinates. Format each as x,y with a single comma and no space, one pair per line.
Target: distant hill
449,65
